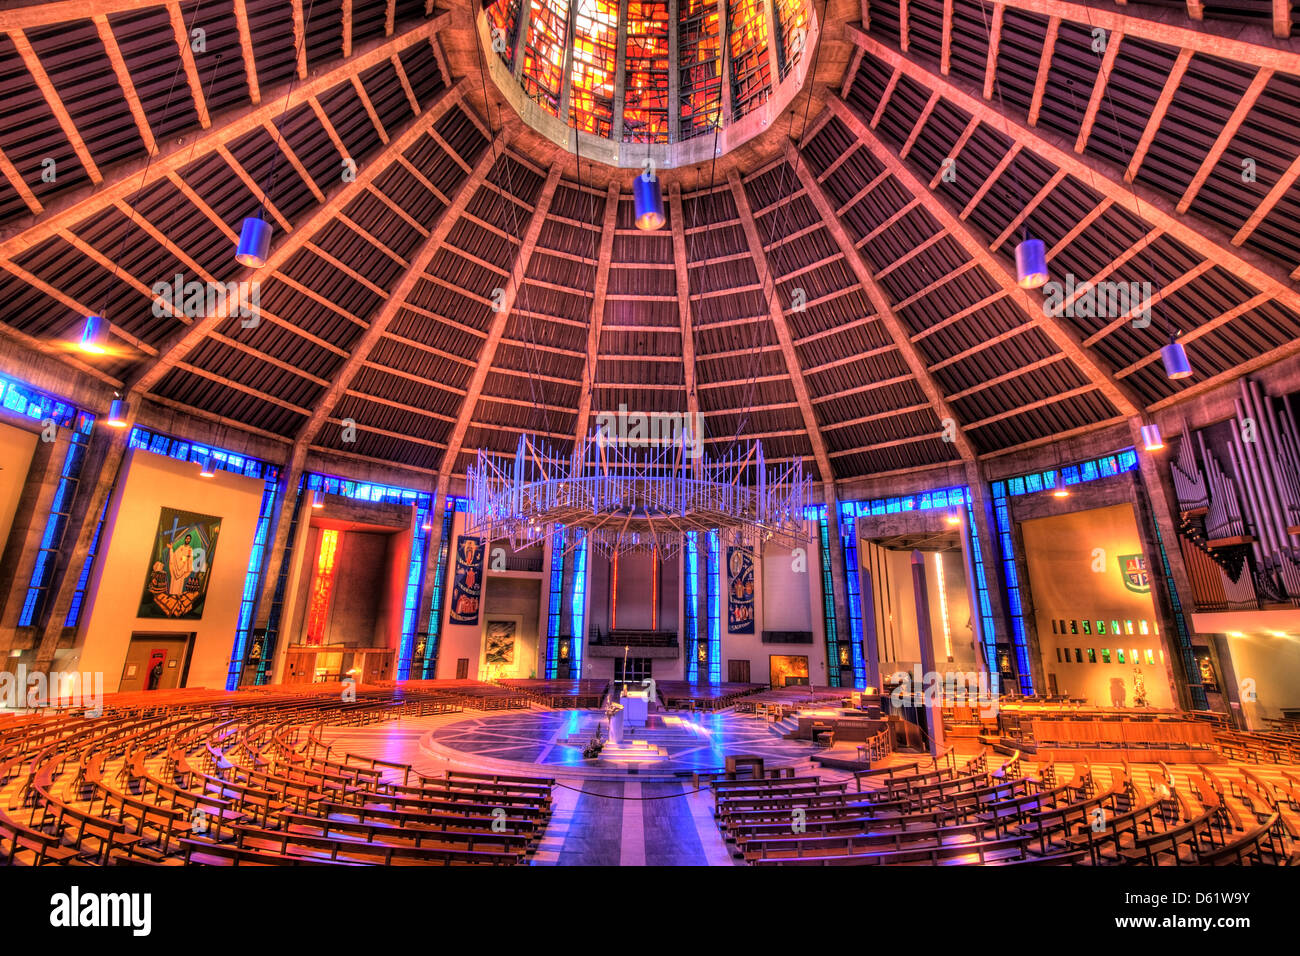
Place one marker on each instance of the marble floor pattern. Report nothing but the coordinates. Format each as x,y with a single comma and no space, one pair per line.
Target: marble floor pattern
593,822
554,740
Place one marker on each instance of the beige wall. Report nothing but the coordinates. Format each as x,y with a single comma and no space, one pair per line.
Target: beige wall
150,482
16,449
895,601
1060,552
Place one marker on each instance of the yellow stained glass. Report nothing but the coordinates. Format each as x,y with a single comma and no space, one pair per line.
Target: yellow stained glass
595,45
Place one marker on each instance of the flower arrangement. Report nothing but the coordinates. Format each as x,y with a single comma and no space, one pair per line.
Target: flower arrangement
594,746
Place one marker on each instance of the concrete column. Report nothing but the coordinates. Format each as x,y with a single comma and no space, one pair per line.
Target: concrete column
990,555
1180,673
838,569
1156,512
99,474
684,640
933,708
544,605
425,602
286,497
19,554
1028,619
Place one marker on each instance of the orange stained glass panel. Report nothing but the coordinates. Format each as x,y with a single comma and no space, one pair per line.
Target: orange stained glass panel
751,68
595,45
322,588
699,72
543,69
792,15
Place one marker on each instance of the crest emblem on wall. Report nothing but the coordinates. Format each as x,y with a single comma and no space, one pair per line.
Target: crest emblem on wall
1133,568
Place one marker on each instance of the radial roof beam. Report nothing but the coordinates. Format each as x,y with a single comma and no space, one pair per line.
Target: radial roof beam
1098,90
304,233
1282,19
19,184
123,74
71,208
1243,108
246,51
995,43
342,379
599,295
55,102
1157,115
1044,69
897,330
187,60
1145,204
487,354
1060,336
782,328
1250,45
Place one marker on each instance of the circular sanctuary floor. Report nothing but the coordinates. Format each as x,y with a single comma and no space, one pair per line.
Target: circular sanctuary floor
550,743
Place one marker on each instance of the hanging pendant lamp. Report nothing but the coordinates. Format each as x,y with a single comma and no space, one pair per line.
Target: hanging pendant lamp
1031,263
117,412
254,243
1175,358
648,201
94,336
1151,440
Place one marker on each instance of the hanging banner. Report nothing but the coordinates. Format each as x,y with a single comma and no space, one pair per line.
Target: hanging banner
467,585
740,591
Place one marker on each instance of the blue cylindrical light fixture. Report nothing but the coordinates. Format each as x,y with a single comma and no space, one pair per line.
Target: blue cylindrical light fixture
1151,440
1175,359
117,412
648,200
254,243
1031,263
94,336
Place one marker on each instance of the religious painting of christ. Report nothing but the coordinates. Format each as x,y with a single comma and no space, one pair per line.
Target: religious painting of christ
180,565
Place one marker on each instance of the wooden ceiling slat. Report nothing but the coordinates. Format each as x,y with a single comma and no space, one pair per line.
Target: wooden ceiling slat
55,102
128,178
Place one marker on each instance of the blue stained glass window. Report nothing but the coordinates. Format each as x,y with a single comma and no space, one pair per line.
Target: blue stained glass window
692,606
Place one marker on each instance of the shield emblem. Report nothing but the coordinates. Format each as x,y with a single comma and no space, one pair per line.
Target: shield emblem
1133,568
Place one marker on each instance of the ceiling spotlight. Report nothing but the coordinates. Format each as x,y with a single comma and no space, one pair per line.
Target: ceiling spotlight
1175,358
954,518
1031,263
254,243
117,412
205,467
648,201
317,499
94,337
1151,439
